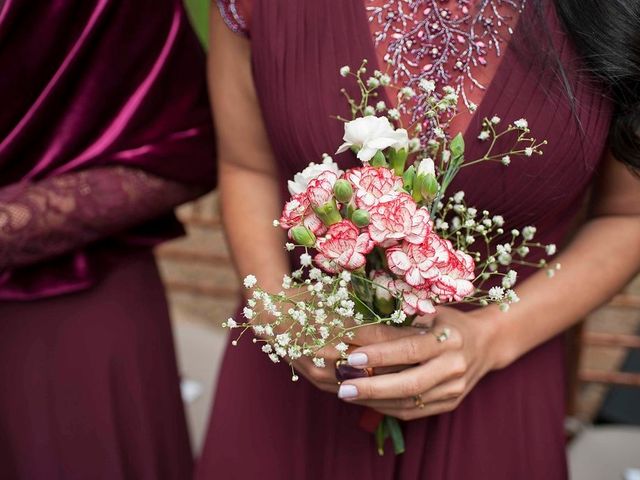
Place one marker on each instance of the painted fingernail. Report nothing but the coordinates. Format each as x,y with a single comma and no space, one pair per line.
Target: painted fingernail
358,359
347,391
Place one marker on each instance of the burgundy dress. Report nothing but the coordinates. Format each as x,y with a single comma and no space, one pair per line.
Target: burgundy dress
511,425
104,127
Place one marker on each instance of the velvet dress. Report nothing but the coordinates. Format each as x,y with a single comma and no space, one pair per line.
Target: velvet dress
510,426
104,125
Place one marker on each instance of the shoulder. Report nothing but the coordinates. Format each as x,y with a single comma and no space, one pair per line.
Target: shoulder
236,14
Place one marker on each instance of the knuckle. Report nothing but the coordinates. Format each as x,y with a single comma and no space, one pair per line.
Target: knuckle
458,366
410,388
455,340
411,353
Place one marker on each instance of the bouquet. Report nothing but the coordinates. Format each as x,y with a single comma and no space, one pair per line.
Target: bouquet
385,242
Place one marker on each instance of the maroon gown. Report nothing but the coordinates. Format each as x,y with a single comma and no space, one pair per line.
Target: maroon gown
510,426
104,127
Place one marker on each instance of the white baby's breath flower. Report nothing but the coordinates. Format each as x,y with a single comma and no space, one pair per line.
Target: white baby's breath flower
306,260
231,323
250,281
248,313
289,246
385,80
550,249
267,348
495,120
342,347
276,223
498,220
283,339
319,362
286,282
344,71
496,293
381,106
407,92
345,276
511,296
369,110
472,107
427,85
398,316
528,233
522,123
483,135
528,151
393,114
506,160
458,196
373,82
274,358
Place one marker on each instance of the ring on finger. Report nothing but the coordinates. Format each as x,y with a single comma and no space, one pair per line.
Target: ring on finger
443,336
417,399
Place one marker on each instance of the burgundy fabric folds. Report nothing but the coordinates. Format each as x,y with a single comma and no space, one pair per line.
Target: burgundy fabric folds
511,424
94,83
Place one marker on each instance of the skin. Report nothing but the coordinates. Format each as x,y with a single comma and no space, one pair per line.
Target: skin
602,258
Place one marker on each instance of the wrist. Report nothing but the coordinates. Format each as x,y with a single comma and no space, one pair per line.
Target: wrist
500,345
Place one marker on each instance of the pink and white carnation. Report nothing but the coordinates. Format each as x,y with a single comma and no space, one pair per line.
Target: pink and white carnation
298,211
301,180
455,280
320,189
415,263
383,284
399,219
415,301
343,247
373,185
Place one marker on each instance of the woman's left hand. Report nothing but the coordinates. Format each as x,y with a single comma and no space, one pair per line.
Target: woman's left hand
446,362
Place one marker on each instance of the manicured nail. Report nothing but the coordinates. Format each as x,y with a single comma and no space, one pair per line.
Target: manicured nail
347,391
358,359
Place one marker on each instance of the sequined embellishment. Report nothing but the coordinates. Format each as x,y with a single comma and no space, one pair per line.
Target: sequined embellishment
443,41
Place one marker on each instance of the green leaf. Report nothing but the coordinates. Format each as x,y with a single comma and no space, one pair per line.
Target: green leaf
457,146
379,160
397,438
408,178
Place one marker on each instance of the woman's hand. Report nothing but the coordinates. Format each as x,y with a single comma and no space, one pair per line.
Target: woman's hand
444,372
324,378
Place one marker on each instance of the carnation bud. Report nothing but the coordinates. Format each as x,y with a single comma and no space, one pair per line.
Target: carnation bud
428,185
360,218
328,213
302,236
343,191
397,160
408,177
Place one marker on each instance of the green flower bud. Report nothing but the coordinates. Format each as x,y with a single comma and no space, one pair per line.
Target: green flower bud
428,185
360,218
328,213
378,160
343,191
397,160
301,235
408,178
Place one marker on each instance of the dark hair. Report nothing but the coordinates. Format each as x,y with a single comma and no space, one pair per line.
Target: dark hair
606,34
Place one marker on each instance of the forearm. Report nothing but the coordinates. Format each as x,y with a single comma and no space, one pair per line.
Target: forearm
56,215
249,205
603,257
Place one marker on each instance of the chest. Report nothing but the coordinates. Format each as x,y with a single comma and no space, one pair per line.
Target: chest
299,47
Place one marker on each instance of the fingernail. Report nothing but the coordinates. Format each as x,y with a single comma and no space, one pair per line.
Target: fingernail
347,391
358,359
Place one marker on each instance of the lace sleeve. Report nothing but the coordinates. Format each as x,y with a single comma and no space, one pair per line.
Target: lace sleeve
59,214
231,11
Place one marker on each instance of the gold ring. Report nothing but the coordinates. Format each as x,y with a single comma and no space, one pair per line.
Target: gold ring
417,399
442,336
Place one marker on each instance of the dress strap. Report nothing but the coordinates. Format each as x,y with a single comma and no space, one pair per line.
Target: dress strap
235,20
